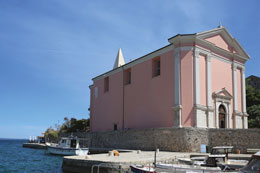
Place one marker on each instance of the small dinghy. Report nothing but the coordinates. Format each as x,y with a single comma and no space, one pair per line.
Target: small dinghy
142,169
185,168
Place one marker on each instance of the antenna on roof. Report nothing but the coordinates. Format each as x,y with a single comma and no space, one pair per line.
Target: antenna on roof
219,25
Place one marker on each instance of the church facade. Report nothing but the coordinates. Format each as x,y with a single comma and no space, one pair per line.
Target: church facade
197,80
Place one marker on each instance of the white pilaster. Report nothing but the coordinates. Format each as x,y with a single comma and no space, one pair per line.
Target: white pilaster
243,90
228,116
177,89
235,94
210,115
245,121
177,81
235,86
216,114
196,71
196,77
209,92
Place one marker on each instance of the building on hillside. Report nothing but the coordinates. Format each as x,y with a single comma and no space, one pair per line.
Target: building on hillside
253,81
197,80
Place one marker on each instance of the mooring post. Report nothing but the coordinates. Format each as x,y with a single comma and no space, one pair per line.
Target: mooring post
155,158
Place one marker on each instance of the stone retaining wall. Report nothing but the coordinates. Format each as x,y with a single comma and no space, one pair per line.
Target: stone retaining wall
239,138
176,139
167,139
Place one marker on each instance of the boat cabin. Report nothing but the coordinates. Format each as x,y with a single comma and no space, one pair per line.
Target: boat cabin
69,143
41,139
220,150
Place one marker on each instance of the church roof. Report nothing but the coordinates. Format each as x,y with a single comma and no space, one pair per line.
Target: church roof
201,38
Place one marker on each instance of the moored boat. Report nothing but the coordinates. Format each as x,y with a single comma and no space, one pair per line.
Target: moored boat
185,168
142,169
67,147
253,164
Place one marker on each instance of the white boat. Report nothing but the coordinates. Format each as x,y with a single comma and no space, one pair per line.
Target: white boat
142,169
253,164
185,168
67,147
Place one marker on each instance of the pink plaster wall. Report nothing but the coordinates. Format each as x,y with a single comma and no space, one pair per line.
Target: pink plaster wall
149,100
220,42
187,99
221,77
107,109
91,104
239,90
203,80
216,53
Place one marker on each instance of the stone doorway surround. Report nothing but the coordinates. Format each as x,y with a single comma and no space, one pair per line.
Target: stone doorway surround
223,98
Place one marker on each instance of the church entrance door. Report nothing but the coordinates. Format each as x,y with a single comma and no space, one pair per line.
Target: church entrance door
222,116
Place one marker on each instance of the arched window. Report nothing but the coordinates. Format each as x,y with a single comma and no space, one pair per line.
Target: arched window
222,116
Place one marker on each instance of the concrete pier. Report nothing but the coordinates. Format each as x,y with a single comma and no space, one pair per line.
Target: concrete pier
114,163
83,164
35,145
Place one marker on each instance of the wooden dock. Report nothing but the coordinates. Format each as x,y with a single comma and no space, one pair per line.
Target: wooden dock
34,145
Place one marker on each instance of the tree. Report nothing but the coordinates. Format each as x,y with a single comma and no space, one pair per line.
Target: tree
253,106
75,126
51,135
254,118
252,96
69,126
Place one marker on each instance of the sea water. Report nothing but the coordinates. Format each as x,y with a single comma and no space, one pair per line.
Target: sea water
15,158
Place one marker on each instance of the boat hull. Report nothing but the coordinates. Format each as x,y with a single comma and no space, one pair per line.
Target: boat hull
186,168
67,151
141,169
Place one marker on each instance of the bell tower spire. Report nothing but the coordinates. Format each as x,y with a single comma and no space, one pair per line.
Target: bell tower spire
220,25
119,59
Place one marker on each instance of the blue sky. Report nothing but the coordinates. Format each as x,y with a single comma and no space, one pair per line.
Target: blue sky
50,50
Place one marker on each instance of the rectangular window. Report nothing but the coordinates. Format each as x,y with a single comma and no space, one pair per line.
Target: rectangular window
127,76
96,92
156,67
115,127
106,84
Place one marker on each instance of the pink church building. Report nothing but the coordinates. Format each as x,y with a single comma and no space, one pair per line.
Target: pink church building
197,80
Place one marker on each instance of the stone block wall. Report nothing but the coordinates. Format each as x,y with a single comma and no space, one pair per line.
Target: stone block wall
166,139
176,139
239,138
173,139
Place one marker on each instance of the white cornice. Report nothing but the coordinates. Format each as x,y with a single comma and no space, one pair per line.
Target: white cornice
178,39
197,38
137,61
228,38
209,32
184,48
206,52
218,50
226,96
